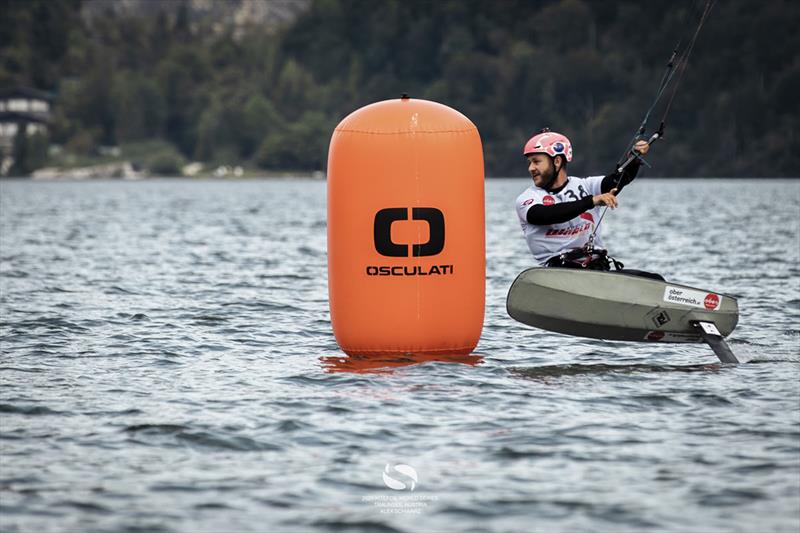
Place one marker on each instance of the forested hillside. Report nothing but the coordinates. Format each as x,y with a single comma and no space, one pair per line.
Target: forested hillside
270,96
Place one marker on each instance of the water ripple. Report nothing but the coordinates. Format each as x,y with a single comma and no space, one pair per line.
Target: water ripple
167,364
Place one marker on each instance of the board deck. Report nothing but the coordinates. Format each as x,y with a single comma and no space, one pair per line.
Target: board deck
614,306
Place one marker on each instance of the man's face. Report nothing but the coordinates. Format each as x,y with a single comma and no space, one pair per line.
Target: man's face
541,169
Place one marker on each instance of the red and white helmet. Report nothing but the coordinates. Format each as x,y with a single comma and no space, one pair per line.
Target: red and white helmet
550,143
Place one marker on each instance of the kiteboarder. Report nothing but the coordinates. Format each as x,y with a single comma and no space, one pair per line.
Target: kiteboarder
559,214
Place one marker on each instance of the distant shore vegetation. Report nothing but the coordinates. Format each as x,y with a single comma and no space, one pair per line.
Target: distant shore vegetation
167,89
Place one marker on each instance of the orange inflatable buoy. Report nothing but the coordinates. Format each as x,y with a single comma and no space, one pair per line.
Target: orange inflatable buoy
406,245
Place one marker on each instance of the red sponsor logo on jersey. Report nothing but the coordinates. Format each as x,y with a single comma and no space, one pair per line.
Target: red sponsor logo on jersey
587,216
548,200
529,201
568,232
711,301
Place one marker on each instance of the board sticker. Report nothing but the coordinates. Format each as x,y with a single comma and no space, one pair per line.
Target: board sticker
692,298
661,319
710,328
711,301
663,336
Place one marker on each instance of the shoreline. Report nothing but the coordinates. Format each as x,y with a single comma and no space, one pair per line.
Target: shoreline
202,177
127,171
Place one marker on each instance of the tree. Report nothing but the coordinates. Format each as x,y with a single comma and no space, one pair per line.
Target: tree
588,69
139,108
299,147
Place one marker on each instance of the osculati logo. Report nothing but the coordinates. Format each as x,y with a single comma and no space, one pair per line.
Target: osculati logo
385,246
403,472
383,231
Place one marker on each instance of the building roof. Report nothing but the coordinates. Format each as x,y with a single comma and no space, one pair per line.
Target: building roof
17,116
24,92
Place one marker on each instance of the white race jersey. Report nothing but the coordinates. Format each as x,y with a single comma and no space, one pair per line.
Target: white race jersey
554,239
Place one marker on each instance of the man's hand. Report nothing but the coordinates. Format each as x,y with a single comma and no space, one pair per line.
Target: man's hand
641,147
608,198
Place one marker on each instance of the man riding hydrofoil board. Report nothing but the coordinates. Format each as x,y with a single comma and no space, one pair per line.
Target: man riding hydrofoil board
559,214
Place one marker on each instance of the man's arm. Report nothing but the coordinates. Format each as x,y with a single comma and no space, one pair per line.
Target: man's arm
544,215
619,180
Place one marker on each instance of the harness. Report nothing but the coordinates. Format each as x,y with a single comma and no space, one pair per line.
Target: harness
594,259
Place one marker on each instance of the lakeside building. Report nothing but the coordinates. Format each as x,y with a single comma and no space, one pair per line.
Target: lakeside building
21,107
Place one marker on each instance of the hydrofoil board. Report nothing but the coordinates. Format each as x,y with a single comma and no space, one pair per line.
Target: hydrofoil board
623,307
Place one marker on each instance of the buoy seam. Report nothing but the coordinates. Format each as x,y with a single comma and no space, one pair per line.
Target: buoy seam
400,132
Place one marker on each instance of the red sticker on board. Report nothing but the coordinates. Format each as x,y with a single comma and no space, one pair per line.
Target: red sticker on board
655,335
711,301
548,200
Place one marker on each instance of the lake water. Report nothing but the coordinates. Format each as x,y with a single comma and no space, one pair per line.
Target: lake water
167,364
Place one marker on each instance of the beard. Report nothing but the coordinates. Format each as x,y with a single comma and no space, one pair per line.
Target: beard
547,177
